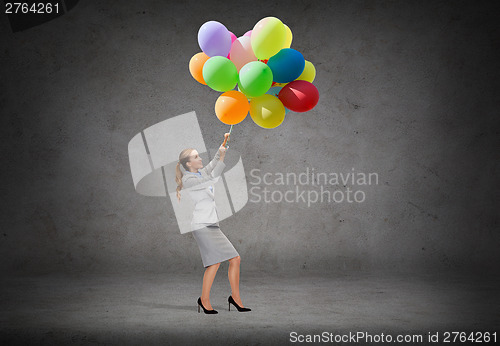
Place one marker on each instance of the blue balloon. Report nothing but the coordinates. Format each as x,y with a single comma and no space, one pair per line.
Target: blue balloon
287,65
275,91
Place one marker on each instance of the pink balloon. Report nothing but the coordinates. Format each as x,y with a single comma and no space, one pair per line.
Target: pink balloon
233,38
241,52
248,33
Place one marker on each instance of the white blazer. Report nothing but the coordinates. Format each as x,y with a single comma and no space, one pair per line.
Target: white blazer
198,187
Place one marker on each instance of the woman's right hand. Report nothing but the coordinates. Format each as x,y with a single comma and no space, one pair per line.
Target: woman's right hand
226,138
223,149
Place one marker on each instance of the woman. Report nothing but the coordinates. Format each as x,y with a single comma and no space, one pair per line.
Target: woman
213,244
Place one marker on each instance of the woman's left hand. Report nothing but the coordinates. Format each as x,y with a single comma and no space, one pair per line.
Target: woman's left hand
222,151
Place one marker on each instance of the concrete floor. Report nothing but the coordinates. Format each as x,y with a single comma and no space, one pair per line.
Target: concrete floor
152,308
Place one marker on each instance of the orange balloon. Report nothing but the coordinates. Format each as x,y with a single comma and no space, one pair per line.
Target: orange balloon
196,66
232,107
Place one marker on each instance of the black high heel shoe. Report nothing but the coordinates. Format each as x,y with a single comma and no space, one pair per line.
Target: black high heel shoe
205,310
240,309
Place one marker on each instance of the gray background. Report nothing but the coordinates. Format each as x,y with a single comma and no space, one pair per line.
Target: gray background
408,90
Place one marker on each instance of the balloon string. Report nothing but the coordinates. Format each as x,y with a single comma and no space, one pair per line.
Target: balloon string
231,129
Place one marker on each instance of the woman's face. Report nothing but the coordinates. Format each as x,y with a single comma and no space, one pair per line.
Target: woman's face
195,161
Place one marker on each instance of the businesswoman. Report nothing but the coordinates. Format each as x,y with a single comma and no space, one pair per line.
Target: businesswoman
214,246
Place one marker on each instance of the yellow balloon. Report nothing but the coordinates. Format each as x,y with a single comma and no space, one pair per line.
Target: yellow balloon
288,37
268,37
267,111
280,84
309,72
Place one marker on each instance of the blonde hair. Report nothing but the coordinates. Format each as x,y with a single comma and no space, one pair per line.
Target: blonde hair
184,157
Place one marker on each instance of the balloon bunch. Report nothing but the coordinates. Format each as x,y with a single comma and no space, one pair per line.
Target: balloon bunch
271,78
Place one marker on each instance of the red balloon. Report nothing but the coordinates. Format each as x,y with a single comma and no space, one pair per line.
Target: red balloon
299,96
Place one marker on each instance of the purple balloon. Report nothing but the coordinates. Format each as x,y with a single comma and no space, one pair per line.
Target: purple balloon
214,39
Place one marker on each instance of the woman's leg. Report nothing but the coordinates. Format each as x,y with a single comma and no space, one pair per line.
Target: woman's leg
208,279
233,274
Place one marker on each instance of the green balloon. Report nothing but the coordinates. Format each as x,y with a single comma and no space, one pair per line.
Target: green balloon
255,79
220,73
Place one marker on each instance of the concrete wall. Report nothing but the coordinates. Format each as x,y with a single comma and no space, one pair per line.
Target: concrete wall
408,90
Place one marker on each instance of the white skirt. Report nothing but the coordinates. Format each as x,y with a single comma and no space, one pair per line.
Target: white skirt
214,245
